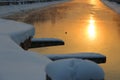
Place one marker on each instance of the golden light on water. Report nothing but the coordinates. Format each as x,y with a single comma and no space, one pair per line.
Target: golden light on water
91,29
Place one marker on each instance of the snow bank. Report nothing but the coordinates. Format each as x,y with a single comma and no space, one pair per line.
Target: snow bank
74,69
112,5
18,31
6,43
8,10
22,65
15,63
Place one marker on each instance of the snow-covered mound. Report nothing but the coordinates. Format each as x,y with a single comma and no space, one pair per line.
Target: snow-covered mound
11,9
18,31
15,63
22,65
112,5
74,69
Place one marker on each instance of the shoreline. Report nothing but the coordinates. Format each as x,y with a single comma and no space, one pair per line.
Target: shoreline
21,15
112,5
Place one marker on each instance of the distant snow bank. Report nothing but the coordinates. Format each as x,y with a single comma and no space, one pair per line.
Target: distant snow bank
11,9
112,5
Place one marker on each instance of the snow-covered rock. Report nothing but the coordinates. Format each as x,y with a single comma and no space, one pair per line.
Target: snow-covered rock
96,57
46,39
18,31
74,69
77,55
22,65
45,42
112,5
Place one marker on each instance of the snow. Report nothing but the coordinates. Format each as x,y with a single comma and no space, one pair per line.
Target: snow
112,5
46,39
6,43
74,69
75,55
22,65
11,9
45,42
18,31
16,63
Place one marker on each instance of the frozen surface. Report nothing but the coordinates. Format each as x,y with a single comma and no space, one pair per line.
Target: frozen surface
8,10
22,65
112,5
16,30
74,69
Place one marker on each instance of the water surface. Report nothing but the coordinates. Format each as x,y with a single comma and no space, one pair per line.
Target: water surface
85,26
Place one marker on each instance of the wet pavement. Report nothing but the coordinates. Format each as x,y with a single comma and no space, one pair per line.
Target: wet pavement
85,26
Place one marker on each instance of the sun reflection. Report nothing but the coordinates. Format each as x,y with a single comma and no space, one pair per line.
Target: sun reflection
91,29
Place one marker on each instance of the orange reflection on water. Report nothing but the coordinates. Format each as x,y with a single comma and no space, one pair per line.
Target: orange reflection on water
91,29
93,1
